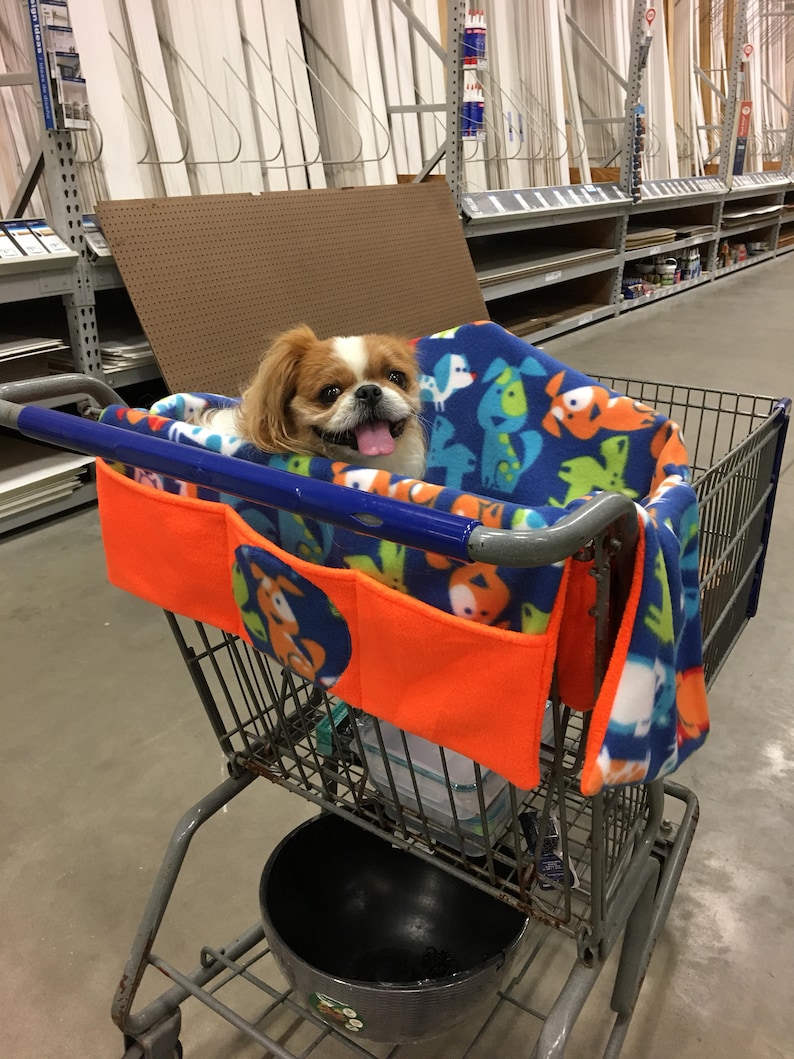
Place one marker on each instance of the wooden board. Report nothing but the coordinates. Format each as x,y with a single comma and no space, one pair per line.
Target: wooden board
214,278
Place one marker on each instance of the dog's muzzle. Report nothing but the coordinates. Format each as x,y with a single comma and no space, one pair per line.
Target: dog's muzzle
372,436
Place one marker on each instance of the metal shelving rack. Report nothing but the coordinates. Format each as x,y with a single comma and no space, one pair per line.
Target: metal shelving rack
74,279
488,215
591,215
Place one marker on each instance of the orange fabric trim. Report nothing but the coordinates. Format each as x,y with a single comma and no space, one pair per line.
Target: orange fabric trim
474,688
592,780
576,648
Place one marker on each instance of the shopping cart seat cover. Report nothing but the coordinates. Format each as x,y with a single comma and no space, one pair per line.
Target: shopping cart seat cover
460,653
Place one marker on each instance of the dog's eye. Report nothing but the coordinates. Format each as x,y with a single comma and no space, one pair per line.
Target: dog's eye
398,378
329,394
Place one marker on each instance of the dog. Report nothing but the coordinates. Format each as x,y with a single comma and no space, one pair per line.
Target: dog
353,399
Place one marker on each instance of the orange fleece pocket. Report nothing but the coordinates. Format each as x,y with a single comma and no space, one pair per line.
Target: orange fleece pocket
473,688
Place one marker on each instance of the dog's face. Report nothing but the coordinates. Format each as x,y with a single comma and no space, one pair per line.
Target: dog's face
348,398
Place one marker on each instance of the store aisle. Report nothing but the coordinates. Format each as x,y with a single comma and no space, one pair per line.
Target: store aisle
104,746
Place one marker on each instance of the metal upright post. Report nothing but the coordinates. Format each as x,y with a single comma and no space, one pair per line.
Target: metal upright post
788,143
639,55
731,113
66,215
60,175
454,152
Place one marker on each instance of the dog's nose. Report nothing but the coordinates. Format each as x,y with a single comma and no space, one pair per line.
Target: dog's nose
369,393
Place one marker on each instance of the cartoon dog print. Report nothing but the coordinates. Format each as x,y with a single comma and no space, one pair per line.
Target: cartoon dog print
502,412
585,474
477,593
669,451
304,657
456,459
452,373
585,410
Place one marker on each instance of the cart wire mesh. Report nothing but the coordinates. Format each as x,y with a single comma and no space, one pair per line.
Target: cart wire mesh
735,444
277,725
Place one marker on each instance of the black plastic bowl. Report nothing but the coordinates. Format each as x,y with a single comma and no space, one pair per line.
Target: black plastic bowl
378,941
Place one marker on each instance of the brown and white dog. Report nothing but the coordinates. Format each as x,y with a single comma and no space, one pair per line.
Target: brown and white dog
354,399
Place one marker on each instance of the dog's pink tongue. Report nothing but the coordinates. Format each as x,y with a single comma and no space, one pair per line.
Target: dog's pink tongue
374,439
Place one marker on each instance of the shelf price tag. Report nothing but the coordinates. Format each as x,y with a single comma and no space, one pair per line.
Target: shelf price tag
552,277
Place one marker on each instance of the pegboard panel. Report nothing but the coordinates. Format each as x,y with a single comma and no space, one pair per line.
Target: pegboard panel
214,278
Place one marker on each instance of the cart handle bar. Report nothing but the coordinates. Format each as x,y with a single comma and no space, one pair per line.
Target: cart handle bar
413,525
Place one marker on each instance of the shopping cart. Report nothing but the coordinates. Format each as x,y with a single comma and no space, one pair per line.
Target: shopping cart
589,868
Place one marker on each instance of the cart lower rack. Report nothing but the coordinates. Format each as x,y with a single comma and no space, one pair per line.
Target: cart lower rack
587,868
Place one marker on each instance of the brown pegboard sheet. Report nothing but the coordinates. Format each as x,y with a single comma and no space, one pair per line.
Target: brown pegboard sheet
214,278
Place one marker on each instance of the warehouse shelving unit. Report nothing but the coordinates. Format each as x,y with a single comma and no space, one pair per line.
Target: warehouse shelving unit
527,243
550,260
57,294
785,237
52,298
751,213
681,206
547,270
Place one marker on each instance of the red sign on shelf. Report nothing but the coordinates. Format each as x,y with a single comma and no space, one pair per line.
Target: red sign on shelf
650,15
745,110
748,50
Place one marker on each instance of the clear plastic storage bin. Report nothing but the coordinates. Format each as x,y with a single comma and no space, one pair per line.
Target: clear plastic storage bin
417,771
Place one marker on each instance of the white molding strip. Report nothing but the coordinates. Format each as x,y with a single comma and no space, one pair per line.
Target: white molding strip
123,177
168,138
263,90
223,73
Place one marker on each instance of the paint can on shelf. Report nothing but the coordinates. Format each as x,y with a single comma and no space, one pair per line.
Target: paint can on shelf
666,269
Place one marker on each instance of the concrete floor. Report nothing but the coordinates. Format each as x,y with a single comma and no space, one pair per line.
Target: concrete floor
104,746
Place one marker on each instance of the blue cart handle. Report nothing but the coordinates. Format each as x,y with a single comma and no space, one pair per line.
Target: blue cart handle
413,525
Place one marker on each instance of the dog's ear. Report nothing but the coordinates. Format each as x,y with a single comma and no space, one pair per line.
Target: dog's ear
554,385
495,369
265,406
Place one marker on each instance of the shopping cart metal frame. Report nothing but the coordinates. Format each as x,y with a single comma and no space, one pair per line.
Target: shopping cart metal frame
627,847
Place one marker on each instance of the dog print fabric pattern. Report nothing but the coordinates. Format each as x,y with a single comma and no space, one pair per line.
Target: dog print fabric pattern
278,606
516,439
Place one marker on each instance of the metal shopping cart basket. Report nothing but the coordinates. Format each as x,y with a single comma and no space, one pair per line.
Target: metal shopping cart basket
587,868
